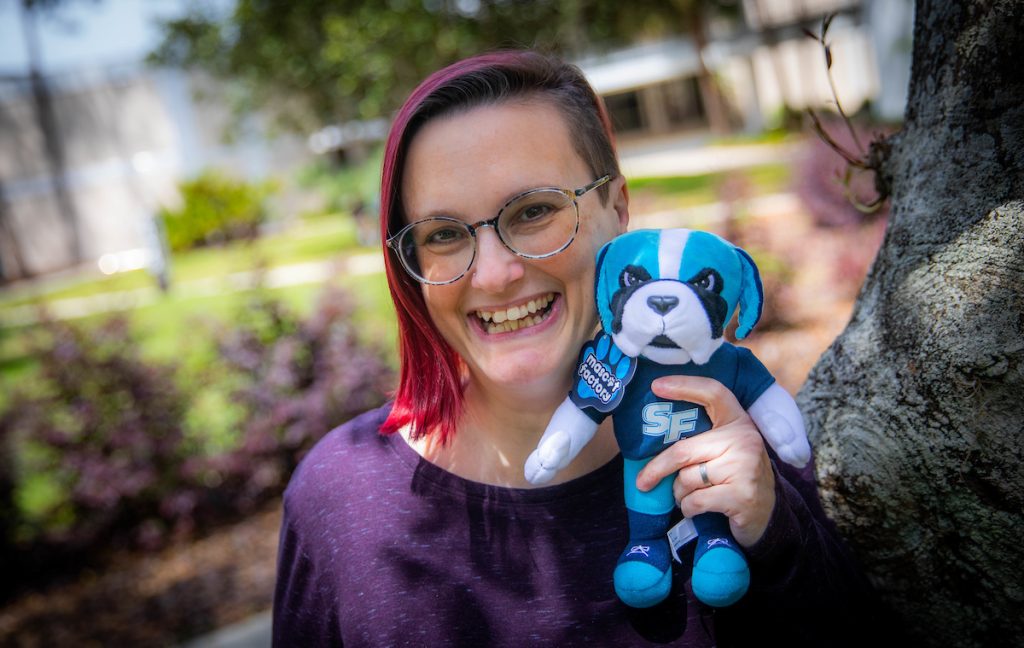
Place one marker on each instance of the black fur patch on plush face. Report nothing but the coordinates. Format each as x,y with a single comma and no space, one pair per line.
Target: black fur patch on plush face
630,280
708,285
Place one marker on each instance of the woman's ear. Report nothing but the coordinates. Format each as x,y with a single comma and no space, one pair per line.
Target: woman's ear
620,201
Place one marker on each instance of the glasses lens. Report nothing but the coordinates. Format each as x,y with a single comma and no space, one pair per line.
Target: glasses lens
539,223
437,250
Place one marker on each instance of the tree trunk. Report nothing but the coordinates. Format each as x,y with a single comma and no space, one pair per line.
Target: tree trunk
916,411
715,108
9,235
46,116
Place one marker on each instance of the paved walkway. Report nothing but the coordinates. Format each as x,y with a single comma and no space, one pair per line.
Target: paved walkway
684,156
253,632
282,276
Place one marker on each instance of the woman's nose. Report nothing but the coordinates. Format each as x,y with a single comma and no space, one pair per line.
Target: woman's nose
495,266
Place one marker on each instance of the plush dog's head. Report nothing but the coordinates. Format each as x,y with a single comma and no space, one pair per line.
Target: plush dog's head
668,294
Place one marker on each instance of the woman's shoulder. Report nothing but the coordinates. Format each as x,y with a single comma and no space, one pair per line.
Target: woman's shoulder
343,459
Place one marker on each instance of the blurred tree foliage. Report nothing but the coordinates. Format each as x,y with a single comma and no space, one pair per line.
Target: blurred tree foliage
313,62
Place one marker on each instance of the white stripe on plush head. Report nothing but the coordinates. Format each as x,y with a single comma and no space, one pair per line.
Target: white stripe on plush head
670,252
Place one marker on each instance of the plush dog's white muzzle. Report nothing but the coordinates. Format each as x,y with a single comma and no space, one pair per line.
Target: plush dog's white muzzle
670,309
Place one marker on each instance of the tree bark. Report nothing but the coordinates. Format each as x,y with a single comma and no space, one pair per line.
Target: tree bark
53,146
8,233
710,94
916,411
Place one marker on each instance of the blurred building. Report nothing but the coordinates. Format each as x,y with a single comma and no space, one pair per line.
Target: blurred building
128,134
765,67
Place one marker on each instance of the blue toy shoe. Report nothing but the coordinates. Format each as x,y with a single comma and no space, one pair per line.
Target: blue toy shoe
720,573
643,576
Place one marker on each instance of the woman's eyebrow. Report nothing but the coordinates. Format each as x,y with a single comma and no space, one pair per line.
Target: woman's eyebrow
531,187
438,212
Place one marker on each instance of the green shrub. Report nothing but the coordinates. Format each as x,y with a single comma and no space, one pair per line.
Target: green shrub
216,208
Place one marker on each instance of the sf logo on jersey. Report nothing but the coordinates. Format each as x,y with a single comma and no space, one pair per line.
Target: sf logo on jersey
660,420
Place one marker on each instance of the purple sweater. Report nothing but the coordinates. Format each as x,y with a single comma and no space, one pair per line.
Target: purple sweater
379,547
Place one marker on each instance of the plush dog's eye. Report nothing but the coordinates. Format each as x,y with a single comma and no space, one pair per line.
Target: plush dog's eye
709,280
634,276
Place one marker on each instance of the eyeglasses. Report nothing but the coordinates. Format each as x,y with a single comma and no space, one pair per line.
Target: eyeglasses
535,224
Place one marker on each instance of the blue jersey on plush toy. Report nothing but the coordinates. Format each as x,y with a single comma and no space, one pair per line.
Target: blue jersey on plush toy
661,422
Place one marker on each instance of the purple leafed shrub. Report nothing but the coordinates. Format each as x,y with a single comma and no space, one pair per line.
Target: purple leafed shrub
108,427
297,379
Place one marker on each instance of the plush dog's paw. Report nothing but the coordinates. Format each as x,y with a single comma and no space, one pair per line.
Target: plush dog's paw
796,454
550,456
791,446
775,413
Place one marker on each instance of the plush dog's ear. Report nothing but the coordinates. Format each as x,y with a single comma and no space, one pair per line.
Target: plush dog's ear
601,291
751,295
600,262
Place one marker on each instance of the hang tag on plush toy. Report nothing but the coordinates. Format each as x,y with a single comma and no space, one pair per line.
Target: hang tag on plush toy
680,535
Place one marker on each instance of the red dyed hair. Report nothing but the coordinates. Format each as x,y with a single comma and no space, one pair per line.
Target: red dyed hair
429,395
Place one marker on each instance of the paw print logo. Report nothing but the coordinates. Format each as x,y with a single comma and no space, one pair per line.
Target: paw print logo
602,375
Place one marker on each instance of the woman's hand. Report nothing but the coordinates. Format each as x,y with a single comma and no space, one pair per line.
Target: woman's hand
737,464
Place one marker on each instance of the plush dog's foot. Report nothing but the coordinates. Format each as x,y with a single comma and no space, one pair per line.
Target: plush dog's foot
643,577
720,576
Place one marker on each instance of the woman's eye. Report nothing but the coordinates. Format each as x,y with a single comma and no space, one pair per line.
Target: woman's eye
533,213
444,236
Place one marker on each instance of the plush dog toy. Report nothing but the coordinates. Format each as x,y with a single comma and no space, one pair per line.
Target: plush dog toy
665,298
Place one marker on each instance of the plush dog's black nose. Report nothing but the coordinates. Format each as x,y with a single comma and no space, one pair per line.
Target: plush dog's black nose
662,304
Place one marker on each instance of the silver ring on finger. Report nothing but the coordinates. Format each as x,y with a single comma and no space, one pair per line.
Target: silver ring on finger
702,468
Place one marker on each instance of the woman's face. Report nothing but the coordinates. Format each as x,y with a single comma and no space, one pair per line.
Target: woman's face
467,166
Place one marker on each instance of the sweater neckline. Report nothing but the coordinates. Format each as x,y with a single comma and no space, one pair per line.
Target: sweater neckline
604,480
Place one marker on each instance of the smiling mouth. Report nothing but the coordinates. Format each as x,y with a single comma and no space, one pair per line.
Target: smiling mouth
525,315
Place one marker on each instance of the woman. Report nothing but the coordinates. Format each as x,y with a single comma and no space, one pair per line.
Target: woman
414,524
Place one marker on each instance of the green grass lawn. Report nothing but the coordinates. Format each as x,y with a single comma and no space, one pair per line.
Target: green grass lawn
181,327
707,188
168,323
312,240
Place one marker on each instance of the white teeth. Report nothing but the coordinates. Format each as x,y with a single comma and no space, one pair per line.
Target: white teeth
515,317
